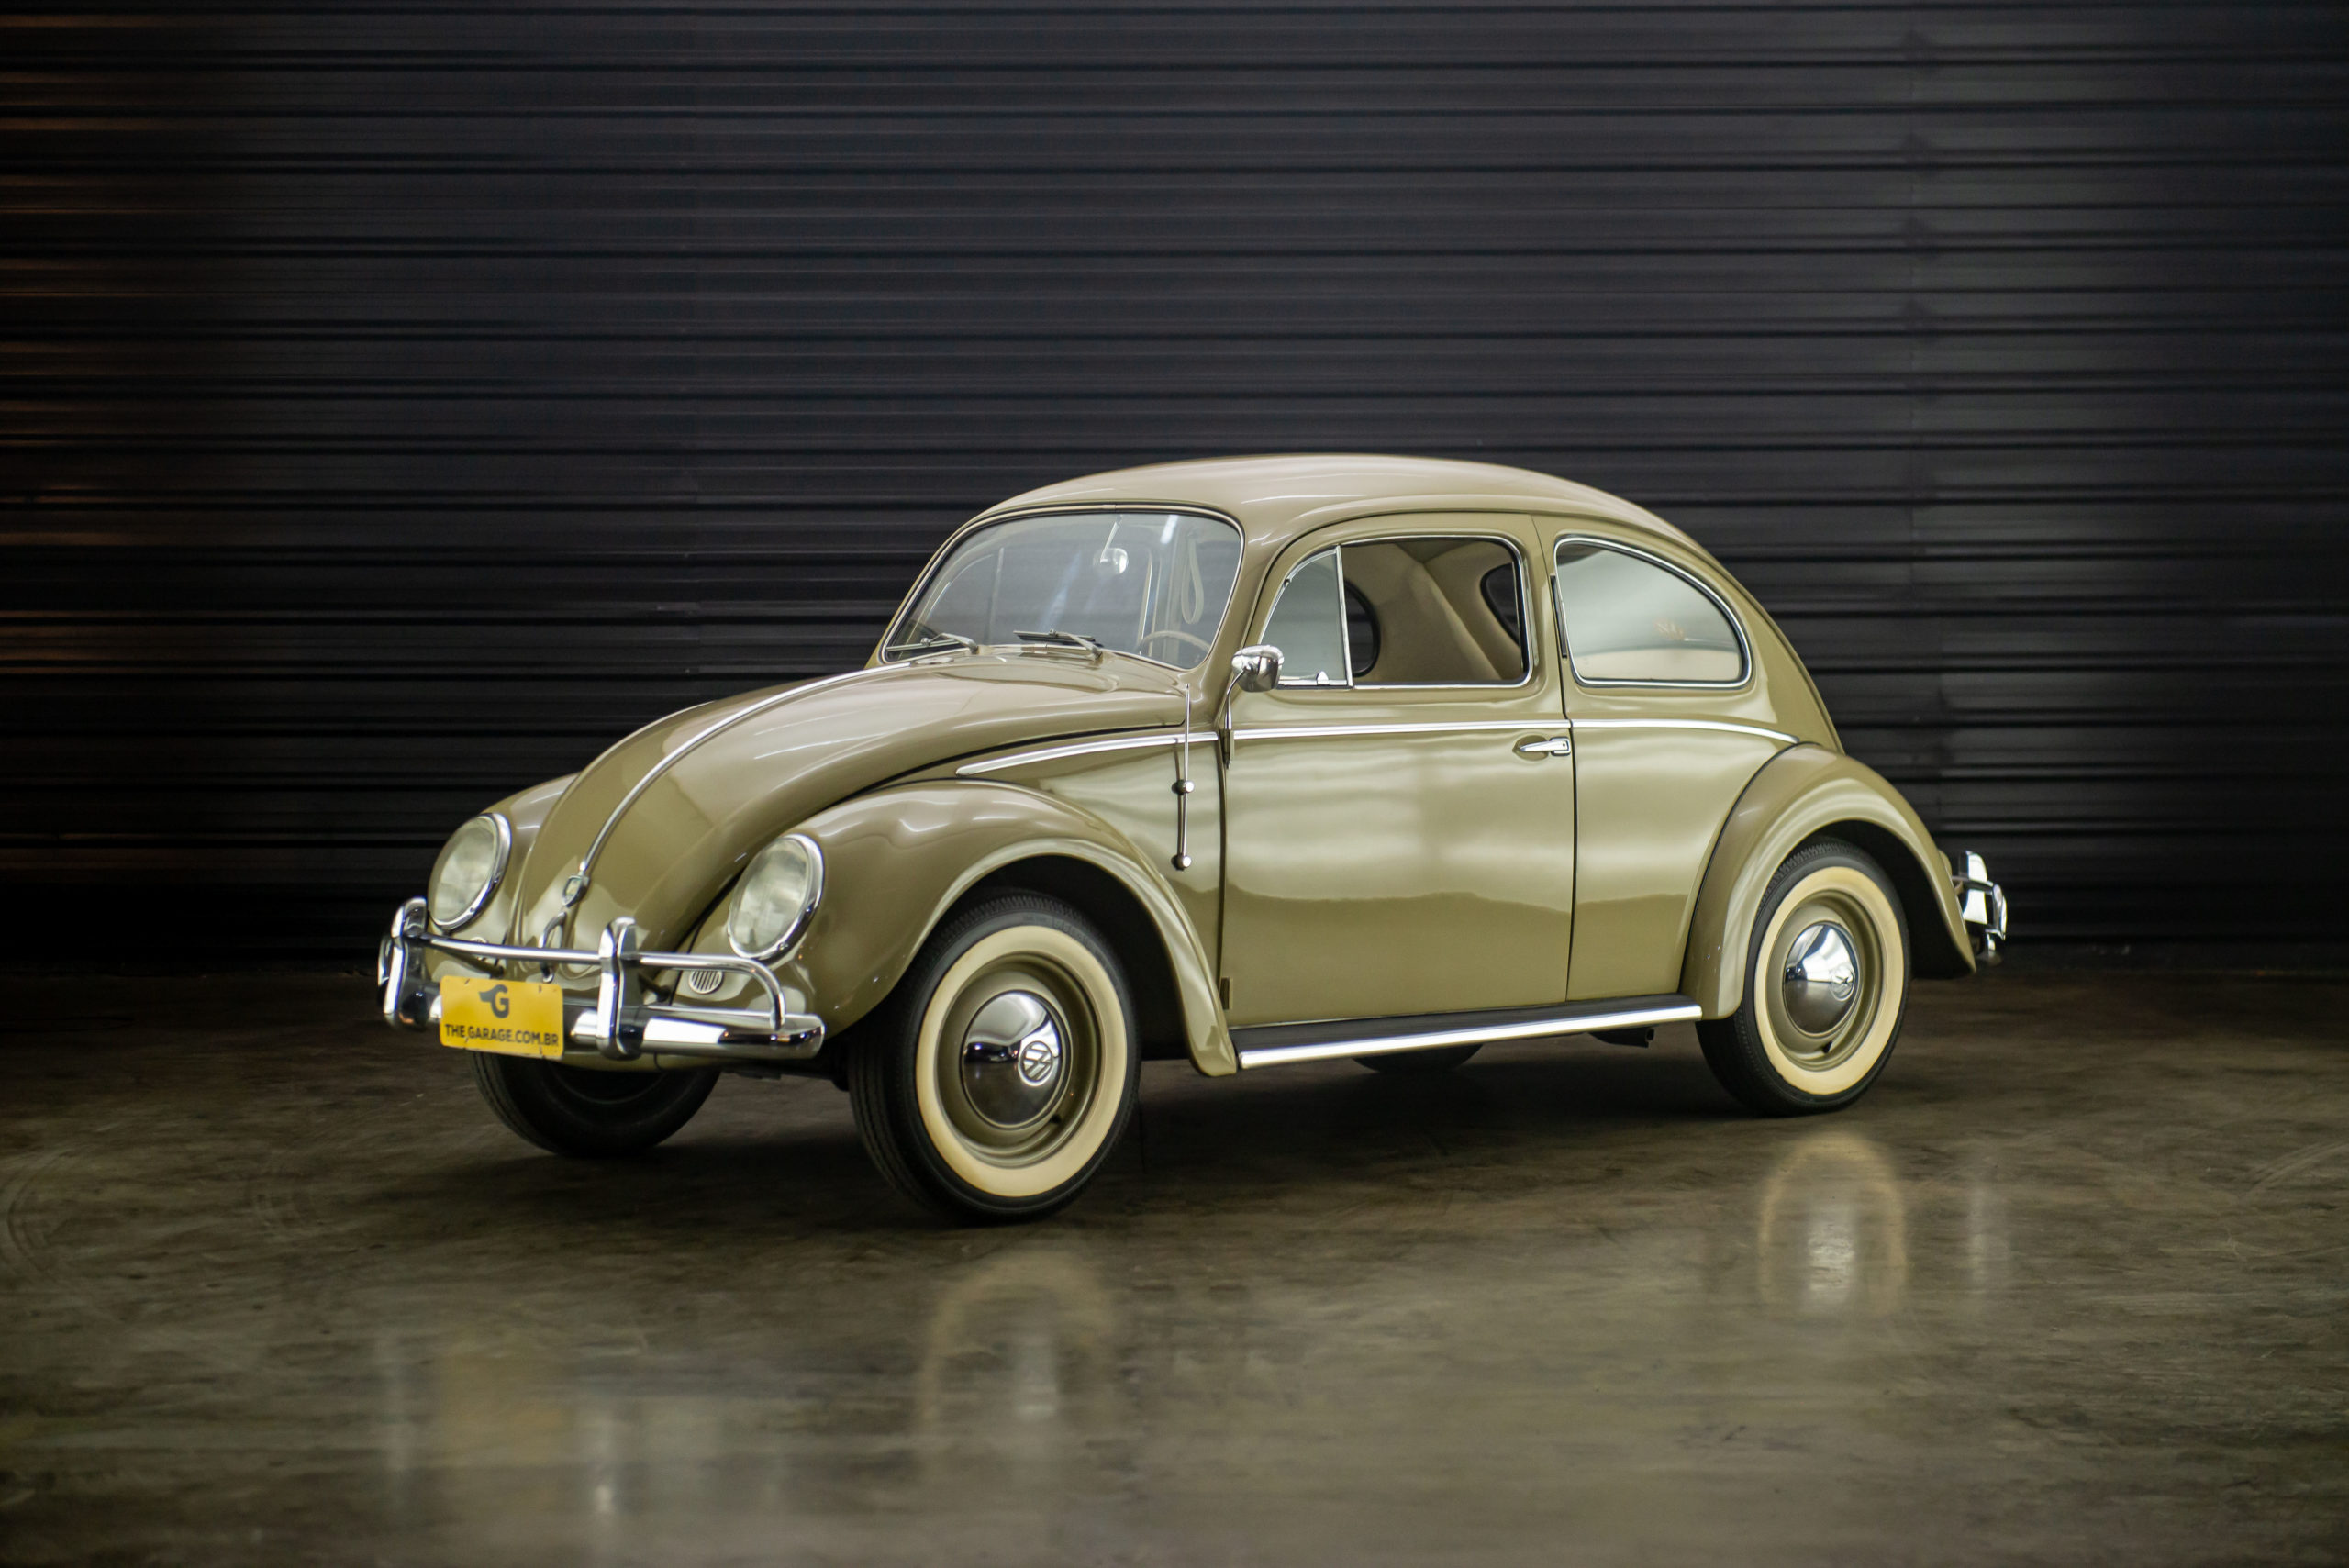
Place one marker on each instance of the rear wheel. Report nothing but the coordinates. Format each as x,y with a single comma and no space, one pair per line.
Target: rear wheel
589,1114
1420,1063
1003,1068
1826,984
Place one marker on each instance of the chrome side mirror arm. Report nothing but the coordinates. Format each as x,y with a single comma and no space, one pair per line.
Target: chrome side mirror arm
1256,668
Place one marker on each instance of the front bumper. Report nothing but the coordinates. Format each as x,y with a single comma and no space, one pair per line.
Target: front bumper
1983,904
621,1024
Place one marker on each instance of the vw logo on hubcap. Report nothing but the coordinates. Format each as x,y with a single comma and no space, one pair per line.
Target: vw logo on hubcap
1040,1057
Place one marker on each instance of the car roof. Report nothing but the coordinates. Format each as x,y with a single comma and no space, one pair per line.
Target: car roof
1274,498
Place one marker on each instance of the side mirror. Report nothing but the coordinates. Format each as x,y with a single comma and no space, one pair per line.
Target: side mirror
1256,668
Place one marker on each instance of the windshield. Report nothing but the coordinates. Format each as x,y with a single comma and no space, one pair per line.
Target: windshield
1152,583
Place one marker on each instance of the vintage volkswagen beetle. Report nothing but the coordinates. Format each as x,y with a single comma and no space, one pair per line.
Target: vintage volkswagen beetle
1247,762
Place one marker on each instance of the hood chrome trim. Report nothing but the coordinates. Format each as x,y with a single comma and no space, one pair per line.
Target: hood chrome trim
585,874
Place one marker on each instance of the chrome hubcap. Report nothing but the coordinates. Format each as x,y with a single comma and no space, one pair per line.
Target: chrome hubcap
1012,1059
1822,978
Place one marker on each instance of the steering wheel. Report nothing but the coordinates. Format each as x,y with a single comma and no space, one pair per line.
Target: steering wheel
1200,644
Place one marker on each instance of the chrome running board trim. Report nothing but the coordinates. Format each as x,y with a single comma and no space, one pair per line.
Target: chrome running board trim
1276,1045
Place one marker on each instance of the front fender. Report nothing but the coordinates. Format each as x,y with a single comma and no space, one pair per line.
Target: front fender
1801,792
895,860
524,811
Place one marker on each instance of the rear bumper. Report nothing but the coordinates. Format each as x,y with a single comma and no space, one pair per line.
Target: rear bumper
621,1024
1983,904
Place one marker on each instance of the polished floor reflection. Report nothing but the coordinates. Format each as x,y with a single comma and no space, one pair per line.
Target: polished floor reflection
2071,1286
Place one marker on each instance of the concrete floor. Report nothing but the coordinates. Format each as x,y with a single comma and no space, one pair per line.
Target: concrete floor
2072,1286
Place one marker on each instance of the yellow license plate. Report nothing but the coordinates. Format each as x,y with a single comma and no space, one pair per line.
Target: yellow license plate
513,1018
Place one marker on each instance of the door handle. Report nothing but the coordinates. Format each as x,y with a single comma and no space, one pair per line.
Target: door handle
1556,746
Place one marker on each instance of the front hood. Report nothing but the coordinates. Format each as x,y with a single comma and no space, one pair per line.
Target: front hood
691,798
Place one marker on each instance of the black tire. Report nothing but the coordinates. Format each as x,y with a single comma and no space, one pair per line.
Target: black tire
588,1114
1420,1063
1777,1066
991,1141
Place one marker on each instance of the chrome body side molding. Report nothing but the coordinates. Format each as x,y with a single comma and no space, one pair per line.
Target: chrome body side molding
1722,725
1071,749
1274,1045
1528,726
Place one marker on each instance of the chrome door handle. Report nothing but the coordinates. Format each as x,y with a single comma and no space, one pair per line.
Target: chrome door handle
1556,746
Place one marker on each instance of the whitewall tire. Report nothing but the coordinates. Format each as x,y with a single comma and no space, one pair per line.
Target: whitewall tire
1003,1068
1826,986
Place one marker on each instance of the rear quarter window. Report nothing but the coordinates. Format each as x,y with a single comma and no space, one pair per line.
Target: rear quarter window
1631,620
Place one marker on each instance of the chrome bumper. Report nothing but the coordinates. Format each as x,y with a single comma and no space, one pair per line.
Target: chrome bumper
620,1025
1983,904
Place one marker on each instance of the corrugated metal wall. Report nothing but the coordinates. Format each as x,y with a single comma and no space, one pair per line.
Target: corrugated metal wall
405,400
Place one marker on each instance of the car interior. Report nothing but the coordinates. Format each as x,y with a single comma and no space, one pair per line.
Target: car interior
1431,611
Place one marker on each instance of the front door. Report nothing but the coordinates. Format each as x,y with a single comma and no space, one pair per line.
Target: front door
1399,812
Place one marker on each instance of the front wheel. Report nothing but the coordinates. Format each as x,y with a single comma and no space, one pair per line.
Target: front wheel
1004,1067
587,1113
1826,984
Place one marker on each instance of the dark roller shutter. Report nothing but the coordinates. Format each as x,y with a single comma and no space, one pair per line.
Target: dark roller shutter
405,400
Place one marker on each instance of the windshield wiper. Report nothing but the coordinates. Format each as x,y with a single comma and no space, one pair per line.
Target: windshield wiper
1057,638
937,641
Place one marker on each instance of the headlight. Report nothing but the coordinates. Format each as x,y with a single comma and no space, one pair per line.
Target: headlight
468,870
776,895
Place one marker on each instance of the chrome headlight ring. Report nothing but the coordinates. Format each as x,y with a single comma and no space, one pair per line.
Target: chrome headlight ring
778,896
487,860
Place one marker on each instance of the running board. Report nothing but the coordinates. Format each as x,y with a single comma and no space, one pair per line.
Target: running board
1274,1045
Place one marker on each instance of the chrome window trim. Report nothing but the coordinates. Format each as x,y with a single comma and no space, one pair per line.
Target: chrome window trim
782,944
472,911
1524,610
1762,730
1345,632
1066,509
1054,753
1565,642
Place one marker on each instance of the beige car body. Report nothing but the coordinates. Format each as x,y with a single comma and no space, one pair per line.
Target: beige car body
1361,853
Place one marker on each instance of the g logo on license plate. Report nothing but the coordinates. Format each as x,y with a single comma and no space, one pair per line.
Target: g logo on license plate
512,1018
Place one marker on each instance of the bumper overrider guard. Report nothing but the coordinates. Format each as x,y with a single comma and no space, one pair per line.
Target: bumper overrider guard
620,1025
1983,904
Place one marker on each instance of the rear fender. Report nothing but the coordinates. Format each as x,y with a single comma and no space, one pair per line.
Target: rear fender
1807,792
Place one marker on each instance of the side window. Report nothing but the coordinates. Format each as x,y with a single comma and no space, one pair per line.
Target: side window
1443,611
1628,619
1308,625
